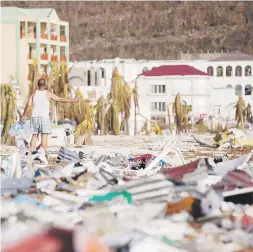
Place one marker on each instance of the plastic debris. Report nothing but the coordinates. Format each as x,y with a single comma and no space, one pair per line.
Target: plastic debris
153,194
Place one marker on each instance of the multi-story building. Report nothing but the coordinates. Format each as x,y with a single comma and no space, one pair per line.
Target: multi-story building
28,35
230,76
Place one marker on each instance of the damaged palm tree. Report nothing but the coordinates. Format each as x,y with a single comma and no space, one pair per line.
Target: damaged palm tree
240,112
34,77
126,107
249,113
82,112
8,112
83,115
114,104
58,83
185,111
177,111
136,105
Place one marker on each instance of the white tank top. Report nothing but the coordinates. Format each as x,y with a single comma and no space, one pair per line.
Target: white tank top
40,104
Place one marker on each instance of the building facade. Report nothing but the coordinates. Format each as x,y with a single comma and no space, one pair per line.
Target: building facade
230,76
159,87
28,35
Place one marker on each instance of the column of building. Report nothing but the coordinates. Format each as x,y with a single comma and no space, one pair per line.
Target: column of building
58,39
67,39
38,43
48,47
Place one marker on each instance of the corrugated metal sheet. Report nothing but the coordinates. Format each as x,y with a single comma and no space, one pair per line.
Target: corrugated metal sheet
178,172
234,179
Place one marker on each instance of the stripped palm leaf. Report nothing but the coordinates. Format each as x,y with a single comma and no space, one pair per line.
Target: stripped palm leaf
249,113
136,105
177,110
11,113
240,112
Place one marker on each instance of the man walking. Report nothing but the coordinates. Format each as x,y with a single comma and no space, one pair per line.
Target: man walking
40,121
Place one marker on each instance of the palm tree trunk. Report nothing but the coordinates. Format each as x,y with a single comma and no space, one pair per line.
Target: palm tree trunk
103,117
135,125
169,119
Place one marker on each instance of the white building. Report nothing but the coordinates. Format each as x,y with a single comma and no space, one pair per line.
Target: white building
230,75
159,86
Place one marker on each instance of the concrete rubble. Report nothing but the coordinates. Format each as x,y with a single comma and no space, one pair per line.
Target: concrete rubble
142,193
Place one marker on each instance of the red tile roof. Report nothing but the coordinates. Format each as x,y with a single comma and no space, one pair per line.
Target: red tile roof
180,70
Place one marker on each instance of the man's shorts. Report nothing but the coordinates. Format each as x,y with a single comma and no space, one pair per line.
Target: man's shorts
41,125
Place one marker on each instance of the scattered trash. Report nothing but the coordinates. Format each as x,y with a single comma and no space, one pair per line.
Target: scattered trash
148,194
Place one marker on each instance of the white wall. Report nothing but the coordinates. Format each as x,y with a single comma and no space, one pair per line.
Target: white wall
24,70
8,52
194,90
130,69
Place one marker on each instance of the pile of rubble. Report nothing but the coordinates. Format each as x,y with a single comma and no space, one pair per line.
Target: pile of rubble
144,196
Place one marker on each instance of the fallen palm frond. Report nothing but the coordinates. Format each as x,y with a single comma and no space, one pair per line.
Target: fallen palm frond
9,107
154,127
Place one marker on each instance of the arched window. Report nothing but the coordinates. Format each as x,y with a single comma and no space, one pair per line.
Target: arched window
238,71
144,69
219,71
248,71
229,86
229,71
248,90
238,90
210,70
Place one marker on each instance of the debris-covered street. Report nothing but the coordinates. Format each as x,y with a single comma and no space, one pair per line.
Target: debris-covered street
142,193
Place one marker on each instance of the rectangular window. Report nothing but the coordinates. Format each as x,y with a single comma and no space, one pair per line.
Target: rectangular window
160,89
163,89
157,89
89,78
151,88
158,106
163,106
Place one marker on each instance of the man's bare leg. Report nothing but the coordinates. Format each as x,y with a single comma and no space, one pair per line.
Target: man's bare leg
33,142
44,138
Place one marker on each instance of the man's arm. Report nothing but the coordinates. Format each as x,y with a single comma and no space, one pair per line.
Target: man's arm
28,105
60,99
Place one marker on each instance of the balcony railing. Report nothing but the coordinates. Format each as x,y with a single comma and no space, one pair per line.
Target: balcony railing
53,37
54,58
44,36
63,38
63,58
44,56
31,55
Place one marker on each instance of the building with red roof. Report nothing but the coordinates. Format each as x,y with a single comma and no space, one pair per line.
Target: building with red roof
159,86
